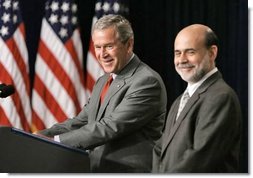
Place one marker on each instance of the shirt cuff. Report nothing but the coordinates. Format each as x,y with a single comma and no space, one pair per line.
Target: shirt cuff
57,138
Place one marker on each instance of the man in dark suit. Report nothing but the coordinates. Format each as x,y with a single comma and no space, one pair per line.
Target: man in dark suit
204,135
120,129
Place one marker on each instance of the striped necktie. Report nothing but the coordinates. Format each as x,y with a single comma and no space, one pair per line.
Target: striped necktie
183,101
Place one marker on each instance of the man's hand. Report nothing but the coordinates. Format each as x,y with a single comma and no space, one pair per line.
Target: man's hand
43,136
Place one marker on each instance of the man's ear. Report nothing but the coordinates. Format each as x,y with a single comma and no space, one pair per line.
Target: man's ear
213,51
130,45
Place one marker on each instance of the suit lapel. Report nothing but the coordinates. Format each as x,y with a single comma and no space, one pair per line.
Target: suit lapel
114,88
118,83
96,95
175,125
194,98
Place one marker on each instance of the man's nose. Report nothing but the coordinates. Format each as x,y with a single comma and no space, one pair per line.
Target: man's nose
103,52
182,58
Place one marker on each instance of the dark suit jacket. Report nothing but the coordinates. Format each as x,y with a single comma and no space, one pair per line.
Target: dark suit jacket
206,136
120,134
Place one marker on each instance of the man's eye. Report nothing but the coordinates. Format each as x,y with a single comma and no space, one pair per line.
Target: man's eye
177,54
191,52
109,47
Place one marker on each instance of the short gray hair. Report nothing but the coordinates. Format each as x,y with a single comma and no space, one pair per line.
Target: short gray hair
121,25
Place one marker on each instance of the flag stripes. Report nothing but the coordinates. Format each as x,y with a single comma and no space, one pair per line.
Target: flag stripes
15,110
60,87
59,91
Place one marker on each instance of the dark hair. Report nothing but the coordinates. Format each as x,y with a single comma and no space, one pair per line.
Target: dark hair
211,39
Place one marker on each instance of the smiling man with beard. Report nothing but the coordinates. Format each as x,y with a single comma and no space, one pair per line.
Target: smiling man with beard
202,133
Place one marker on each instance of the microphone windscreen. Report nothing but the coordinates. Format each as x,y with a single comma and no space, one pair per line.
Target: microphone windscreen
6,91
2,85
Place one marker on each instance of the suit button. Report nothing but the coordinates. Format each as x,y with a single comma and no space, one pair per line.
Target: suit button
160,166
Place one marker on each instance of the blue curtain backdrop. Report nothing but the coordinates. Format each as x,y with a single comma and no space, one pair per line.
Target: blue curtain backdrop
156,24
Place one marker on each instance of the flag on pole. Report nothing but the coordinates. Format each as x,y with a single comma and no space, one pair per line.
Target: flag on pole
58,91
15,110
102,7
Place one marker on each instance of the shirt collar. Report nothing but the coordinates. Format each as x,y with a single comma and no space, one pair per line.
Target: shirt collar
193,87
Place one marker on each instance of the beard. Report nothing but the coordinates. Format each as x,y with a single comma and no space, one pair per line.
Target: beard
197,73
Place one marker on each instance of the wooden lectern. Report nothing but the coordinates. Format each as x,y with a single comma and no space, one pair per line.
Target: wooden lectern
23,152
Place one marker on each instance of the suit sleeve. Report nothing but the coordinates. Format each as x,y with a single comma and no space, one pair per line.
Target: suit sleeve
217,128
156,156
143,101
68,125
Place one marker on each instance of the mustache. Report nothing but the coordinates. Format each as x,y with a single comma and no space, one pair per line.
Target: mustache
185,65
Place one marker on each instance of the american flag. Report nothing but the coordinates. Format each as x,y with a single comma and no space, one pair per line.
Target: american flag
102,7
15,110
58,91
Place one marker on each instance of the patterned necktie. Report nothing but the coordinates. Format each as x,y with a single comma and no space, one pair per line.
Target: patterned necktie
183,101
106,87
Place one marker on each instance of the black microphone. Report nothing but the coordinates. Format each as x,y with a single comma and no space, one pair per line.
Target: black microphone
2,85
6,90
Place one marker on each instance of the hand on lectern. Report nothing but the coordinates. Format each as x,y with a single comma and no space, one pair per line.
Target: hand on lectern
43,136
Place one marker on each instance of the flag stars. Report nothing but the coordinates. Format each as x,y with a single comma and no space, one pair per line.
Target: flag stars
15,19
65,7
7,4
109,7
61,15
5,18
54,6
64,20
74,20
74,8
53,19
116,7
9,17
47,6
4,31
15,5
98,6
106,7
63,32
